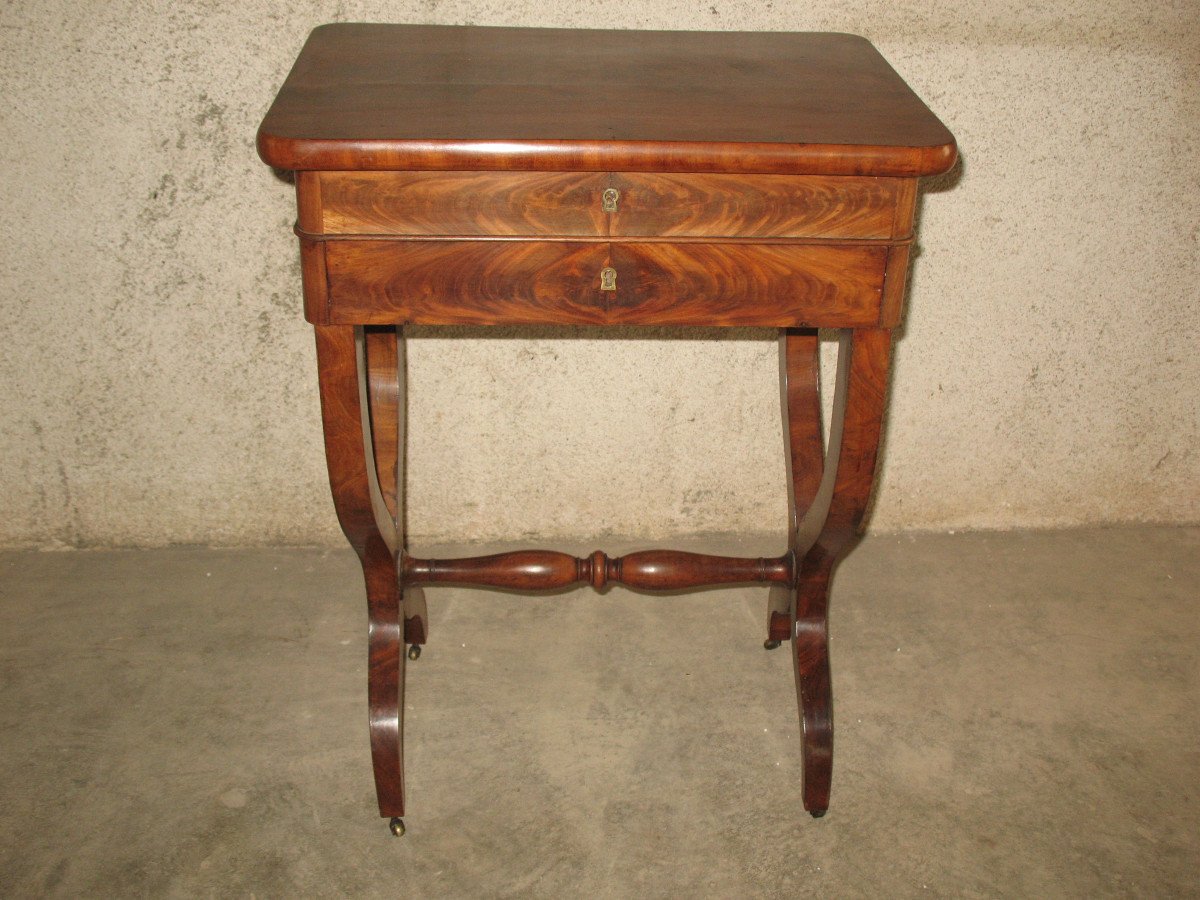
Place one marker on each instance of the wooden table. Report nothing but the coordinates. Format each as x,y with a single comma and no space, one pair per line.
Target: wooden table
500,176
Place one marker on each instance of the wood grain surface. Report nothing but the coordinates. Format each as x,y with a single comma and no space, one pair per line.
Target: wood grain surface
364,96
542,282
804,451
464,203
826,533
571,204
691,205
374,540
780,285
645,570
456,175
387,369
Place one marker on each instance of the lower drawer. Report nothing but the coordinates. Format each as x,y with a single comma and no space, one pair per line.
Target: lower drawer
494,282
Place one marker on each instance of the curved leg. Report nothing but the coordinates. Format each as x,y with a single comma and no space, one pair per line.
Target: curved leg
814,688
825,534
370,529
385,681
800,386
386,398
800,390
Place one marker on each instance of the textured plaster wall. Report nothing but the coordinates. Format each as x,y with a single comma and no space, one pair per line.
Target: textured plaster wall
158,378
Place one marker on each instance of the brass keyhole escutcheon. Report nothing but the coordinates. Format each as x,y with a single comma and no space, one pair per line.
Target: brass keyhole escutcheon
609,199
608,279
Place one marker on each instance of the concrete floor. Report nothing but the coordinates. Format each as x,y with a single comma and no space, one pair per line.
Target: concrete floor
1018,715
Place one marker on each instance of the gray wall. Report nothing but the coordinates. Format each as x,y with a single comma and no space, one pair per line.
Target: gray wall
158,378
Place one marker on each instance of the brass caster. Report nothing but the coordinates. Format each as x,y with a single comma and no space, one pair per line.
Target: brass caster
414,653
770,644
397,826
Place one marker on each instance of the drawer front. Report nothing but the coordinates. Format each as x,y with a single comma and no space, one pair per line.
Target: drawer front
598,204
562,282
464,203
764,206
776,285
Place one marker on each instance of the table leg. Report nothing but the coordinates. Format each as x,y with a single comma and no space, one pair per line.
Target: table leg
825,532
387,406
804,450
348,381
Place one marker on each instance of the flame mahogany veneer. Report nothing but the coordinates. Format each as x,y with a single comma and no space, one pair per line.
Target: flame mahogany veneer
558,282
499,176
564,203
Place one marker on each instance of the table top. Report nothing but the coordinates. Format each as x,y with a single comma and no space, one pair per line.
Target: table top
366,96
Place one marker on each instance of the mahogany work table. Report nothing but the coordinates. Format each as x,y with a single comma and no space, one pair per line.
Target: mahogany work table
503,176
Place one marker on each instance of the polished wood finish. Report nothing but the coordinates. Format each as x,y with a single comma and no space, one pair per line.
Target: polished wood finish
402,97
804,449
824,534
453,176
646,570
522,204
754,206
464,203
896,274
310,203
386,367
312,253
373,536
384,409
775,285
661,283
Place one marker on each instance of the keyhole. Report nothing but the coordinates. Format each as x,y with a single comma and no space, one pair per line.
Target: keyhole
610,198
608,279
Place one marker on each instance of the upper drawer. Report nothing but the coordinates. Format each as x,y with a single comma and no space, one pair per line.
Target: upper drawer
598,204
758,206
470,204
